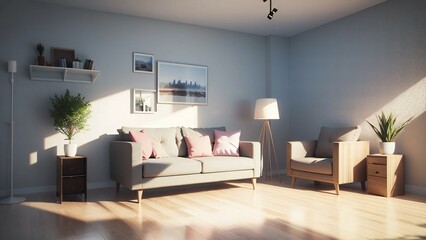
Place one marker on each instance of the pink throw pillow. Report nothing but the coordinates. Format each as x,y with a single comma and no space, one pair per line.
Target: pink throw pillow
226,143
143,138
199,146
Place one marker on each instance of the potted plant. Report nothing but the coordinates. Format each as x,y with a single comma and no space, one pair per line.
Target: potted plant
70,114
387,132
140,102
40,50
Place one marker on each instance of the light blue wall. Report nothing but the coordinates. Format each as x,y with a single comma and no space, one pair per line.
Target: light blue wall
277,86
236,70
349,70
336,75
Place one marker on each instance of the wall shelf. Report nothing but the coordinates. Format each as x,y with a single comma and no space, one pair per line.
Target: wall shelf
60,74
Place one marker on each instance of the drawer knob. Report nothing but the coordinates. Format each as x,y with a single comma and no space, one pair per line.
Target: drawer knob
377,171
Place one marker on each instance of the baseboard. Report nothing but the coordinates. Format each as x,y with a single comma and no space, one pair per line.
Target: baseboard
415,189
277,172
52,188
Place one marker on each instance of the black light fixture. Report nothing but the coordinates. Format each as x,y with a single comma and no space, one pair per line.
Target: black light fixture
271,11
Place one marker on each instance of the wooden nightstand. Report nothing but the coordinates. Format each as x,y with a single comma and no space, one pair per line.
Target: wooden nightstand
71,176
385,174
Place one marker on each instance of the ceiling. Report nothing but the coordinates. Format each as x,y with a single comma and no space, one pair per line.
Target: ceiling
248,16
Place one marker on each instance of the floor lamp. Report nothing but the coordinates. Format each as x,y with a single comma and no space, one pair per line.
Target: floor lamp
267,109
12,199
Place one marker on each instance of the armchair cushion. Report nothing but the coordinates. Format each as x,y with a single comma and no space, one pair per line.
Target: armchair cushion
324,148
313,165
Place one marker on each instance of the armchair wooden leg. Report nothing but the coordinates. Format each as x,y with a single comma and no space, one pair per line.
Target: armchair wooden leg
336,186
293,181
140,192
117,186
363,185
253,182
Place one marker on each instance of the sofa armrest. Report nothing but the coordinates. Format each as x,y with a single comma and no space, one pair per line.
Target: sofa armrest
299,149
126,162
349,161
251,150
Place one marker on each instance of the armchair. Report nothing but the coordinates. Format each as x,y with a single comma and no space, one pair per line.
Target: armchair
336,157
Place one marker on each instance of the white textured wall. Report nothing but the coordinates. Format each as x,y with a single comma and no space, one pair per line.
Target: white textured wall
349,70
236,64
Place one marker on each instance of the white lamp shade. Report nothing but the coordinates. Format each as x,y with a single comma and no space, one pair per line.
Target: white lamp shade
266,108
11,66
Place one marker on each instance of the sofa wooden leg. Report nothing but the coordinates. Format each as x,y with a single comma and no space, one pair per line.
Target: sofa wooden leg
363,185
140,192
253,182
117,186
336,186
293,181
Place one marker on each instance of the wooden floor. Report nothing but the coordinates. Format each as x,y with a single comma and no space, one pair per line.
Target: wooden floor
219,211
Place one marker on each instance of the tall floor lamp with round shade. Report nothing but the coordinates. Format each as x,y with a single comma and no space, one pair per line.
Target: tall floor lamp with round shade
11,199
267,109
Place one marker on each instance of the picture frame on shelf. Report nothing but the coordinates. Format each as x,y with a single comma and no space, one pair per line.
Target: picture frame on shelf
62,57
143,63
144,101
182,83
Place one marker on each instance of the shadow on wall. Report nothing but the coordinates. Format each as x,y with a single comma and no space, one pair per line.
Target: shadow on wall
411,102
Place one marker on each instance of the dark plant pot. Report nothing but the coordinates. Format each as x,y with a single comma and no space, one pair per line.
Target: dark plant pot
40,60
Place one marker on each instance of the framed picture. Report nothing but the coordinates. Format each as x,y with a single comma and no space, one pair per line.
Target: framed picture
144,101
182,83
143,62
62,57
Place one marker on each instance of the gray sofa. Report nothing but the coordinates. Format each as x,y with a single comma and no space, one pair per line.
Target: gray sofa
128,169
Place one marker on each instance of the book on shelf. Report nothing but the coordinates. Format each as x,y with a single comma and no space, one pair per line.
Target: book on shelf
88,64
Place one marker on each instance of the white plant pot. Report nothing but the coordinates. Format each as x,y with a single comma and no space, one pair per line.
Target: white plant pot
70,149
387,148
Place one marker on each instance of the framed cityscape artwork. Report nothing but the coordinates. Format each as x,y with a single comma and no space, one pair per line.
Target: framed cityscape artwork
182,83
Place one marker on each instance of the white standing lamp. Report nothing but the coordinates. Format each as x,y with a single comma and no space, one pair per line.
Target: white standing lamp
267,109
11,199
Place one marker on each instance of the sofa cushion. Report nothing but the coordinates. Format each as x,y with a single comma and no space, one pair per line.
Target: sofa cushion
198,132
225,163
163,142
125,136
170,167
324,148
226,143
145,140
199,146
312,164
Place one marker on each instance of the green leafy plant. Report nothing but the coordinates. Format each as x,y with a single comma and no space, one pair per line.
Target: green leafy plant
387,130
40,49
70,113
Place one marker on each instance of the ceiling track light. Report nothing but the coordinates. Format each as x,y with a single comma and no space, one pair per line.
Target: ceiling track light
271,10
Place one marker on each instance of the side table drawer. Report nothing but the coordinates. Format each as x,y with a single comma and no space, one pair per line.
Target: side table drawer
377,185
377,160
74,167
376,170
74,185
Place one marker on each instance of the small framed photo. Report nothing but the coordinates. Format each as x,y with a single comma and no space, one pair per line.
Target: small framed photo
144,101
182,83
143,62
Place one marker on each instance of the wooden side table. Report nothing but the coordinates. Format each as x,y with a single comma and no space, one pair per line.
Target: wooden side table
71,176
385,174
